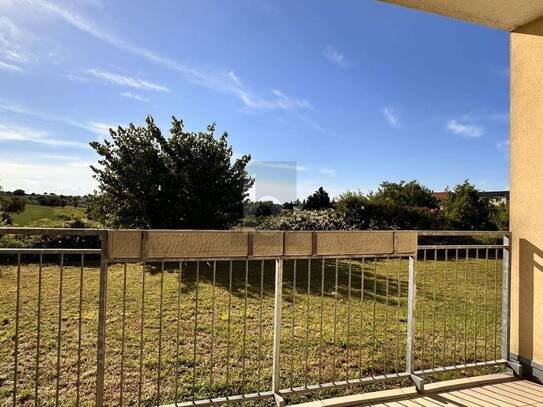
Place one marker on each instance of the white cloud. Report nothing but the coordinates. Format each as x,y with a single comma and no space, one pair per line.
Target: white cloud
9,67
328,171
391,116
45,177
130,81
19,47
226,82
464,129
334,56
95,127
14,133
134,96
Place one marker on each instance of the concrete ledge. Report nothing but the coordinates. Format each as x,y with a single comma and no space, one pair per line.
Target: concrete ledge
530,369
178,244
124,244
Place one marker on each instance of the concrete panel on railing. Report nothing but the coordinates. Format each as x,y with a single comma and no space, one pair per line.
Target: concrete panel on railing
179,244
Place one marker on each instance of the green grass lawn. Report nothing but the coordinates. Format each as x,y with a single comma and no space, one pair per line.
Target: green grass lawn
457,314
35,213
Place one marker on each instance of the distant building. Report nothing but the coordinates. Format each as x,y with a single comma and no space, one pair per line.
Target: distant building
494,197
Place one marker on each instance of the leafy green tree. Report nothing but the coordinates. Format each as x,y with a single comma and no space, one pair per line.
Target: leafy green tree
464,209
188,180
318,200
500,216
406,194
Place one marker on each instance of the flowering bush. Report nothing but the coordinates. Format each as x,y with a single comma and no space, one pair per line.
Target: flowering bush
306,220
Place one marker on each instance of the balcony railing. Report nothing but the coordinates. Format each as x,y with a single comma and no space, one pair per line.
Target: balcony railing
171,318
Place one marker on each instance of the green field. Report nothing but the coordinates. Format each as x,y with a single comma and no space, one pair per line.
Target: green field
458,317
34,213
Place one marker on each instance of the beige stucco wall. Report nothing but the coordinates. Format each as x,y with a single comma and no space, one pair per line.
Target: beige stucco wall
527,191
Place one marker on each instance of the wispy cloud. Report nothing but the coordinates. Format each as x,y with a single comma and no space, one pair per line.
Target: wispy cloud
330,172
335,57
465,130
14,133
124,80
391,116
226,82
19,47
10,67
134,96
98,128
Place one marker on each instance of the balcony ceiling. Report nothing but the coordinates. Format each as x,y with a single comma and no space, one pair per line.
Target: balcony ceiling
504,15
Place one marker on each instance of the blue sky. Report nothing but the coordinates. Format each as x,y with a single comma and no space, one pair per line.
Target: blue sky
353,92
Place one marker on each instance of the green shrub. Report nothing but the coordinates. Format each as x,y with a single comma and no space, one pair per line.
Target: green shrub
306,220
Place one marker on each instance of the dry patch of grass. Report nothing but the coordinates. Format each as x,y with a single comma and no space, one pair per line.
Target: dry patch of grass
229,350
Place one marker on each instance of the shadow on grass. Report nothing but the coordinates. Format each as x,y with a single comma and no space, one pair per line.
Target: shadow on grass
256,278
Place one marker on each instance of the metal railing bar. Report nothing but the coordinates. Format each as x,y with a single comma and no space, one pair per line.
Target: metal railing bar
461,246
259,368
423,309
80,330
49,251
195,338
334,356
466,307
445,271
434,311
222,400
16,350
348,319
361,336
306,365
38,332
385,325
51,231
398,300
455,328
59,331
486,302
211,354
228,334
321,320
496,304
161,302
344,383
123,338
374,311
494,233
142,327
461,366
293,324
476,302
177,333
244,350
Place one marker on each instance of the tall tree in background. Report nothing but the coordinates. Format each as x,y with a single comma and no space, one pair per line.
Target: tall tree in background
464,209
185,181
318,200
406,194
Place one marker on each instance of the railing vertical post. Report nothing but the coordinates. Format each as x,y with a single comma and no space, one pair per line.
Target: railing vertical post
411,308
276,381
506,298
101,342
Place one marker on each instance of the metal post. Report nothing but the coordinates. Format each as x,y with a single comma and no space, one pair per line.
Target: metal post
411,307
506,297
276,382
101,342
